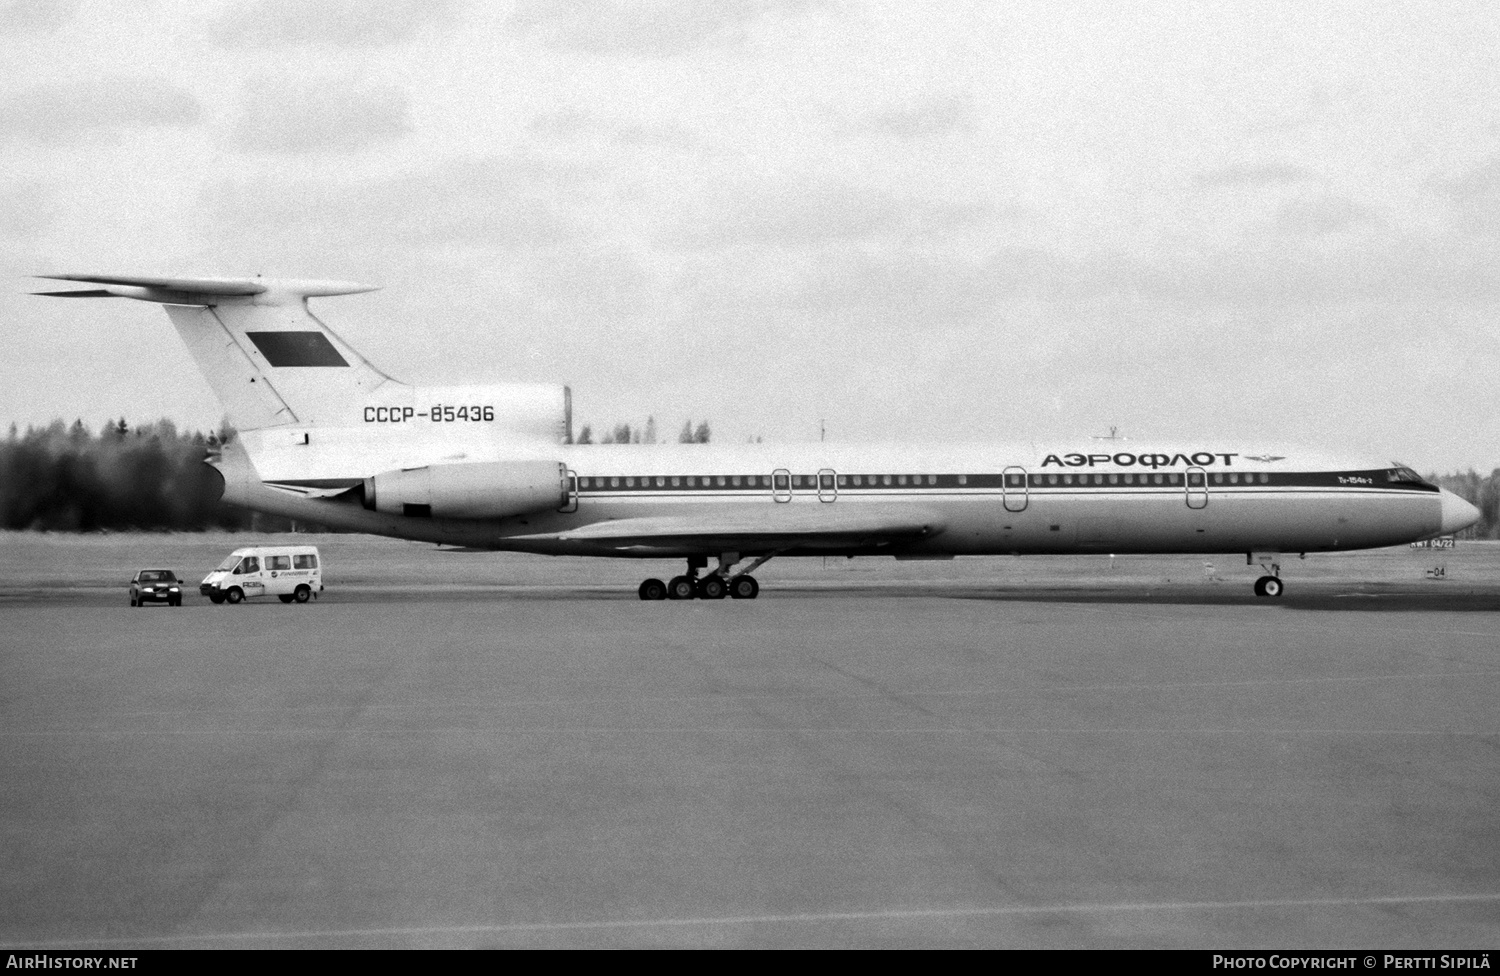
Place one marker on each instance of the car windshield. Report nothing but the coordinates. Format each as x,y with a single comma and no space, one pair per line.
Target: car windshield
229,563
156,576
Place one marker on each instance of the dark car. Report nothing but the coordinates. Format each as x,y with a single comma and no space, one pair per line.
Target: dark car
155,586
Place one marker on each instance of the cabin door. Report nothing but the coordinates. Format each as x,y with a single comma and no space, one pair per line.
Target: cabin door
1013,488
828,485
781,485
1197,488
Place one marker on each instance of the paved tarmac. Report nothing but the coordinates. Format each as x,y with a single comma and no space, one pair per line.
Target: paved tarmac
835,764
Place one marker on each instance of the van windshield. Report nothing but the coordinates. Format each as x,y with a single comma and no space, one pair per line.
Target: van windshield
228,563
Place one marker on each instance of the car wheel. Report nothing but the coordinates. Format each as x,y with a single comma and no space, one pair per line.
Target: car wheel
302,594
235,595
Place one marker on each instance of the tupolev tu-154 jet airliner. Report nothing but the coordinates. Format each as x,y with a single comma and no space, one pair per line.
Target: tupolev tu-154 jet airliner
326,436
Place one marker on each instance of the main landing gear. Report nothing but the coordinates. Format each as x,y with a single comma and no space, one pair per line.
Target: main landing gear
715,586
1270,584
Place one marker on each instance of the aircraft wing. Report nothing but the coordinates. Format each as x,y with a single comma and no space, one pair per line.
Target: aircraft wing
764,529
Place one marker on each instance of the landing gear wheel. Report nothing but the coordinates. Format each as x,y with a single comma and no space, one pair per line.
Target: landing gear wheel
1270,586
302,593
235,595
681,588
712,588
653,589
744,588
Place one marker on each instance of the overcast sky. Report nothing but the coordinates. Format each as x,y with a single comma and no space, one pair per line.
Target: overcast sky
1263,221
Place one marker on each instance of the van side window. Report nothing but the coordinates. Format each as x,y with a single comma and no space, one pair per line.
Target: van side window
278,562
305,562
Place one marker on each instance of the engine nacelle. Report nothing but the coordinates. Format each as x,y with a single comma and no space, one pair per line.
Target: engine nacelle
488,490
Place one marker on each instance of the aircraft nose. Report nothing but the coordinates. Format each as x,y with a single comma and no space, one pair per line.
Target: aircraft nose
1457,513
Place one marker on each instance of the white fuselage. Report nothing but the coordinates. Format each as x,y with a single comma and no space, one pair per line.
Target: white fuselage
1124,497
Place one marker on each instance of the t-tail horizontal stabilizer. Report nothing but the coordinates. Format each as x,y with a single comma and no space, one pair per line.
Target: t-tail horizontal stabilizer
270,361
203,291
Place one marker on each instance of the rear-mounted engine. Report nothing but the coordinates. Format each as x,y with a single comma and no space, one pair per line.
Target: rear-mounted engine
490,490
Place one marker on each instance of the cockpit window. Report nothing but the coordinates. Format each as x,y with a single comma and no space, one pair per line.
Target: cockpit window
1401,474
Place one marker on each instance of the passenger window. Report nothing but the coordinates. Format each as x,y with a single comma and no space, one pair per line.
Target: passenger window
1051,479
1264,478
305,562
1218,477
1234,479
1156,478
660,481
1098,479
963,479
721,481
932,479
614,482
629,482
1114,479
843,481
885,479
278,563
735,481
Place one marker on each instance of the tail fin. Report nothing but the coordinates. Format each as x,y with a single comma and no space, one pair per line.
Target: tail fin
270,361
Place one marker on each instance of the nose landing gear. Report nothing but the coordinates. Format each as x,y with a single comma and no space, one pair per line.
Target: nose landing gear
1269,585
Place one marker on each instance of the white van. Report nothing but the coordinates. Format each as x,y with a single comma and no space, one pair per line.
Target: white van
287,572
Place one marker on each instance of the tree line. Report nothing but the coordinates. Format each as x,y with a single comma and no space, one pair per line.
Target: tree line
625,434
62,478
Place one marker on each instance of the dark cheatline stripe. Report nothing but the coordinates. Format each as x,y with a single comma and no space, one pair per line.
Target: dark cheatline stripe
296,349
1361,480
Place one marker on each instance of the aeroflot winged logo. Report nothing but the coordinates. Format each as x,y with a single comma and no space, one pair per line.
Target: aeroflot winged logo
1265,457
1126,460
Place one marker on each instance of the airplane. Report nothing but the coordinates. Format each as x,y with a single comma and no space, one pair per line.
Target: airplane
326,436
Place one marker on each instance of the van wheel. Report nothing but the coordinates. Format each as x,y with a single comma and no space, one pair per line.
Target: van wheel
235,594
302,594
284,597
216,598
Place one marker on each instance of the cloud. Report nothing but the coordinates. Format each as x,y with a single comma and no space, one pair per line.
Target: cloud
65,112
510,201
575,125
953,113
1319,216
331,23
319,115
1254,177
35,16
647,28
812,214
26,210
1474,197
